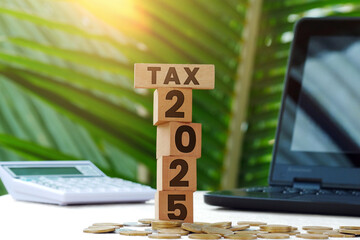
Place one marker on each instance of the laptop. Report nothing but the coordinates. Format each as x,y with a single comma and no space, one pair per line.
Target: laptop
316,157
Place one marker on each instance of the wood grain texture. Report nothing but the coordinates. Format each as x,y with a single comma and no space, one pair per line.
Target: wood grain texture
174,205
176,173
178,139
195,76
172,105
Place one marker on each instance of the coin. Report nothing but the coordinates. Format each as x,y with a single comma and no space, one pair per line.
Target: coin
146,220
116,227
216,230
273,235
241,236
239,227
312,236
339,235
249,232
135,233
317,231
164,236
331,232
192,227
349,231
221,224
350,227
276,228
293,233
316,228
109,224
251,223
136,224
177,230
99,229
204,236
165,224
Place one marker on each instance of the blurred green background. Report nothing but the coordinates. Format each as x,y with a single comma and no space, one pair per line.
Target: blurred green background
66,80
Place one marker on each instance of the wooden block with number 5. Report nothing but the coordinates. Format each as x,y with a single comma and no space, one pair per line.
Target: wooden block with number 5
172,105
178,139
174,205
176,173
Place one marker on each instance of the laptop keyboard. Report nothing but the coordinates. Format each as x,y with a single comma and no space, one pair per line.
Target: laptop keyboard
299,191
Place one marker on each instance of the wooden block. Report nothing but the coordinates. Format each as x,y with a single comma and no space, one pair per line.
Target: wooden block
174,205
176,173
154,75
178,139
172,105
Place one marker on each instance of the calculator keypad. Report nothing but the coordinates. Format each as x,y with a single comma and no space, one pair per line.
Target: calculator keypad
87,185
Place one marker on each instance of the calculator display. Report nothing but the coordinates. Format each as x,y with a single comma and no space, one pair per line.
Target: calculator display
32,171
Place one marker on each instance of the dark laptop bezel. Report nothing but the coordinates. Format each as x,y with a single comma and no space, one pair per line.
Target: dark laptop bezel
281,174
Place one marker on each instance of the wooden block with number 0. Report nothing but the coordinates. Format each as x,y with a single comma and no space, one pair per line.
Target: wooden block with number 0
176,173
178,139
174,205
172,104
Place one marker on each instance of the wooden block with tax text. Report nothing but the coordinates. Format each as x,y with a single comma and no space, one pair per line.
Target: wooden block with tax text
153,75
172,105
176,173
178,139
174,205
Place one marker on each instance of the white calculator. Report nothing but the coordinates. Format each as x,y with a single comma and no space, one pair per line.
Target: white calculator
68,182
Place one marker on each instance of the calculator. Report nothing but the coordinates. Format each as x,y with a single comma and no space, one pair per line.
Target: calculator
68,182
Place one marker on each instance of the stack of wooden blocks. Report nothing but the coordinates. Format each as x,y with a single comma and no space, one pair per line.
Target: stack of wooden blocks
178,143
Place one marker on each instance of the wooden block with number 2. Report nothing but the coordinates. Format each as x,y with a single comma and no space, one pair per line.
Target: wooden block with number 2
176,173
174,205
178,139
172,105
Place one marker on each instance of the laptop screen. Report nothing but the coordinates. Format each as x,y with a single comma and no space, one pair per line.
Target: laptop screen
328,112
319,127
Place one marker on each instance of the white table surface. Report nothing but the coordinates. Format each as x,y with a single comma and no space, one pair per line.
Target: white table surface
26,221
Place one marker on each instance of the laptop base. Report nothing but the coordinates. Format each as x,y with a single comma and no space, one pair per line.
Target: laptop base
332,202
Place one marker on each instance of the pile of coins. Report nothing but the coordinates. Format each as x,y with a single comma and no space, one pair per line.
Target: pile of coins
245,230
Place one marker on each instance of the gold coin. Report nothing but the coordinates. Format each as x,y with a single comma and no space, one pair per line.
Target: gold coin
349,231
177,230
276,228
312,236
316,228
221,224
134,233
192,227
216,230
293,233
339,235
249,232
164,236
239,227
317,231
294,228
350,227
251,223
241,236
204,236
109,224
99,229
116,227
146,220
273,235
157,224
